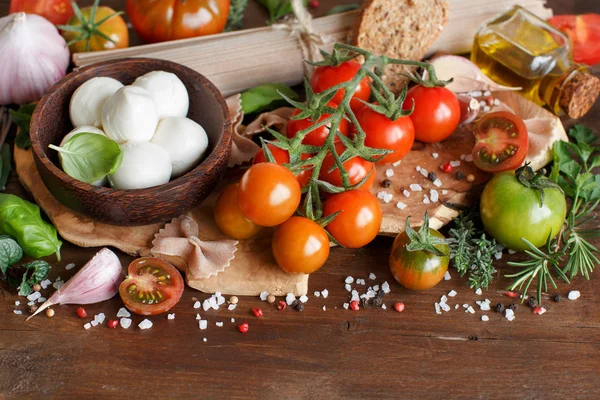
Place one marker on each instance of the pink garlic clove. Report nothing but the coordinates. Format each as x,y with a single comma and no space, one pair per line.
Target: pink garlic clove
469,109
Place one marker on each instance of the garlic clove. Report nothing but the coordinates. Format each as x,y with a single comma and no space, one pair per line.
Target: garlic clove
130,115
88,129
167,91
85,108
144,165
184,140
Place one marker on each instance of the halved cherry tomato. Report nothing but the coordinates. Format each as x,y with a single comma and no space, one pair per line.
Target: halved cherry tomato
325,77
152,286
268,194
436,114
230,219
584,32
383,133
358,168
300,246
501,142
162,20
56,11
282,157
359,221
318,136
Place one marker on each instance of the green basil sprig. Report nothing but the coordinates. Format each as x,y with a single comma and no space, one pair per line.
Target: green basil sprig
89,157
266,97
10,252
21,220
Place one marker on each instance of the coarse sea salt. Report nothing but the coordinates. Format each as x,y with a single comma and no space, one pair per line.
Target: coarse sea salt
355,296
447,276
346,305
58,284
444,191
389,173
348,287
456,306
406,193
372,276
385,287
418,168
87,326
231,307
263,295
44,284
41,299
434,196
170,316
376,288
204,340
145,324
317,293
34,296
437,182
232,320
445,307
349,279
435,155
424,172
197,304
198,317
69,266
396,163
219,324
324,308
125,323
426,199
509,314
100,318
478,292
205,305
31,302
484,305
18,312
384,306
123,313
94,323
470,310
388,197
415,187
485,318
401,206
574,295
303,298
438,309
203,324
452,293
324,293
17,303
290,298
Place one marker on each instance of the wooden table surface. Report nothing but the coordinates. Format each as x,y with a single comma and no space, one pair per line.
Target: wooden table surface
314,354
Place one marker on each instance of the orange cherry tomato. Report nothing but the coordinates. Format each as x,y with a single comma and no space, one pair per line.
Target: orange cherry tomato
162,20
152,286
325,77
268,194
300,246
230,219
358,168
319,135
282,157
359,221
114,27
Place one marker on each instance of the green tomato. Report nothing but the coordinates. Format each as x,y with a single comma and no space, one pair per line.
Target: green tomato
511,211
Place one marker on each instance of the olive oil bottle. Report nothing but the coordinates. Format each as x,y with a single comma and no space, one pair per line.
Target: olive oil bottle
521,50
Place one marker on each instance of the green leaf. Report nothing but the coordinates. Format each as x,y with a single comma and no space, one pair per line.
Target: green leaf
595,162
5,165
583,134
88,156
585,151
236,15
343,8
35,272
22,118
10,252
571,168
21,220
266,97
278,8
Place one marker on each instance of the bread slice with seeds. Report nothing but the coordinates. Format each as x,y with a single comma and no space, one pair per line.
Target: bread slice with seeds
400,29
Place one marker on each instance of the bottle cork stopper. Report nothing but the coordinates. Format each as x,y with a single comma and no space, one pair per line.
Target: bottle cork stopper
579,94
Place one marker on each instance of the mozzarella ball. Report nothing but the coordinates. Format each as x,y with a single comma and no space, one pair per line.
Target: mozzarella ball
167,90
87,101
130,115
89,129
184,140
144,165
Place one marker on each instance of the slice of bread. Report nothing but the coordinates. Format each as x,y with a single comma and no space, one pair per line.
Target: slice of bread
401,29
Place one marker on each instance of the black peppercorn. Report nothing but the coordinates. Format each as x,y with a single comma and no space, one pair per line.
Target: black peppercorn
431,176
531,302
386,183
377,301
500,307
380,293
514,306
474,337
364,302
298,305
556,297
460,175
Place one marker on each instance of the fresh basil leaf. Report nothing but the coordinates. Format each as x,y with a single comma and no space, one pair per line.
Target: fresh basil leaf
88,156
22,118
582,134
5,165
266,97
343,8
33,272
21,220
10,252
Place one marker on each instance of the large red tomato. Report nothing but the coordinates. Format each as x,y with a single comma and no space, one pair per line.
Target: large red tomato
56,11
325,77
436,114
162,20
584,32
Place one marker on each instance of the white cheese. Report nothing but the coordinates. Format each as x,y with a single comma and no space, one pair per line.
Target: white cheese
86,103
130,115
167,91
144,165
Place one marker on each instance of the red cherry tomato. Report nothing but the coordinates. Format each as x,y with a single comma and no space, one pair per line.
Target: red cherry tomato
300,246
436,114
268,194
325,77
230,219
318,136
501,142
152,286
359,221
56,11
358,168
584,32
382,133
282,157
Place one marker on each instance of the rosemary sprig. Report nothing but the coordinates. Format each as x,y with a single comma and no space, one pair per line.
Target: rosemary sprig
236,15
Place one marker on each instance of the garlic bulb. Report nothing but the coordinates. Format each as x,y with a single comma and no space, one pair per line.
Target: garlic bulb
34,57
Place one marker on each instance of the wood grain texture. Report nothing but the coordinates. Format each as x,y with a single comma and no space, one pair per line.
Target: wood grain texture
51,122
332,354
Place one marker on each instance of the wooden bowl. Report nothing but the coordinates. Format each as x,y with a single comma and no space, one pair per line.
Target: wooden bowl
51,122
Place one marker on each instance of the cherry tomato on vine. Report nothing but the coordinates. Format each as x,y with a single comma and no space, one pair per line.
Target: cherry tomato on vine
152,286
114,27
359,221
383,133
230,219
584,32
56,11
319,135
511,211
282,157
162,20
420,269
501,142
436,114
268,194
300,246
325,77
358,168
